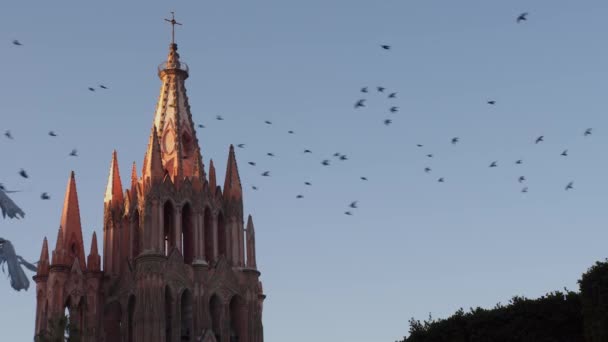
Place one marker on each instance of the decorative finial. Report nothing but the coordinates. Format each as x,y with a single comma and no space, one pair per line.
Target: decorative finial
173,23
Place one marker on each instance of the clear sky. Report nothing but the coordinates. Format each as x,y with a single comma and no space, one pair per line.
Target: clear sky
414,245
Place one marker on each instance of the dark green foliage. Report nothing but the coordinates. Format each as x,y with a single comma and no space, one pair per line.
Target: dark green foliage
555,317
594,299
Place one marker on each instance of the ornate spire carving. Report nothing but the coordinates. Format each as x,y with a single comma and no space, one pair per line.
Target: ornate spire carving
94,260
232,182
43,263
114,188
70,223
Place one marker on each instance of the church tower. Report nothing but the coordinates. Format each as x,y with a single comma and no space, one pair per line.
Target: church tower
178,262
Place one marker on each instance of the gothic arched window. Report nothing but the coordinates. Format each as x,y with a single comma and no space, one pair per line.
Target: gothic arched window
208,227
187,234
169,227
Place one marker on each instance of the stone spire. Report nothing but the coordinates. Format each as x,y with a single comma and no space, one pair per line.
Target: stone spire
173,119
43,262
212,180
114,187
70,224
134,177
232,182
251,260
59,252
94,260
153,168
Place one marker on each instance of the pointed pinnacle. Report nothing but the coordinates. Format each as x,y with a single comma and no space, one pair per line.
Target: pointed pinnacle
232,182
43,263
114,187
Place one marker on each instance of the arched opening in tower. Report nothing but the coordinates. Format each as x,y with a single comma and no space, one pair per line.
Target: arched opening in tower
187,234
237,319
131,319
215,309
112,321
221,235
186,316
169,227
135,231
208,228
168,314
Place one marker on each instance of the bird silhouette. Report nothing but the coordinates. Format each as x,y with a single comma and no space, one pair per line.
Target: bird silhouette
8,134
430,155
419,145
9,208
16,42
74,153
363,178
494,164
565,153
325,162
45,196
23,174
308,183
522,17
427,169
385,47
539,139
570,186
364,90
240,145
102,86
519,161
455,140
268,122
348,213
343,157
380,89
266,174
254,187
521,179
270,154
392,95
51,133
360,103
299,196
441,180
307,151
337,154
19,281
252,163
491,102
91,89
587,132
525,189
394,109
219,117
353,204
290,132
388,122
201,126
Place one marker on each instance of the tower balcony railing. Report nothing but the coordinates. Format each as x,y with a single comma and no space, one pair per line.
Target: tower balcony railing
166,65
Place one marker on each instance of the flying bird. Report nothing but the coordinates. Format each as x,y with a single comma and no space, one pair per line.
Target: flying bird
74,153
307,151
525,189
521,179
252,163
45,196
254,187
385,47
519,161
388,122
353,204
522,17
394,109
240,145
427,169
570,186
343,157
380,89
308,183
270,154
268,122
441,180
8,134
19,281
364,90
430,155
16,42
337,154
363,178
494,164
51,133
325,162
8,207
419,145
360,103
348,213
491,102
565,153
201,126
299,196
102,86
587,132
290,132
91,89
539,139
266,174
23,174
392,95
219,117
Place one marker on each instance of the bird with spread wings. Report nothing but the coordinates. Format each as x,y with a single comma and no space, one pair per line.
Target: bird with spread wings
8,207
14,262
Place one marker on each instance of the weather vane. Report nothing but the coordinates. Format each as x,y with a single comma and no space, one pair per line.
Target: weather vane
173,23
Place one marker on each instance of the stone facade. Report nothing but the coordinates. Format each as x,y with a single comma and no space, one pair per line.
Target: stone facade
178,263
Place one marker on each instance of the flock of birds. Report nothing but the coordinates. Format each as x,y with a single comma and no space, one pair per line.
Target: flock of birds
9,208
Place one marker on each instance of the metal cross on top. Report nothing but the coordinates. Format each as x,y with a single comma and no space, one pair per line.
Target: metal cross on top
173,23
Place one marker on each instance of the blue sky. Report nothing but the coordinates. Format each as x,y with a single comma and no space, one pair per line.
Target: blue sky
413,246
